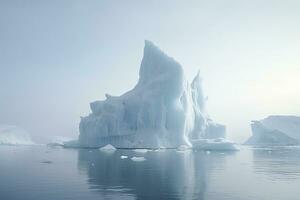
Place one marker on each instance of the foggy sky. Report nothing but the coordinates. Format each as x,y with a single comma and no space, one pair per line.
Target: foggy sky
58,56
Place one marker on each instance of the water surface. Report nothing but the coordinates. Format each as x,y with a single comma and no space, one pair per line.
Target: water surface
44,173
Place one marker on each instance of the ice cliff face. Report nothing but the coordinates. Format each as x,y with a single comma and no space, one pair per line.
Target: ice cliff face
275,130
163,109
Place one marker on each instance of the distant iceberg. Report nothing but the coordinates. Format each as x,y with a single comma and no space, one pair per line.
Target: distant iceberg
162,110
13,135
275,130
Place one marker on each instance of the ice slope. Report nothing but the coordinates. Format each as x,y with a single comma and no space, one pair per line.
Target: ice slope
163,109
12,135
275,130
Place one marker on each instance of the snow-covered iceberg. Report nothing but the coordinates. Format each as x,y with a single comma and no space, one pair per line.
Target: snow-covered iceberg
13,135
163,109
275,130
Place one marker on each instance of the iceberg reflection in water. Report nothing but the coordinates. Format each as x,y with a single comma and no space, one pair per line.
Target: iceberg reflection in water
164,175
47,173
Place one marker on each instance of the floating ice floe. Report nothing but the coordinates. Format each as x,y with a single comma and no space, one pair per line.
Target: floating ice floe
220,144
123,157
141,150
159,150
138,159
183,148
108,148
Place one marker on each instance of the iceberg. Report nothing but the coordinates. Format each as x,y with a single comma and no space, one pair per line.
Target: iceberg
163,109
13,135
275,131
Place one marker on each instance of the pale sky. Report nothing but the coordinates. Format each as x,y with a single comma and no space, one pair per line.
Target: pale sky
57,56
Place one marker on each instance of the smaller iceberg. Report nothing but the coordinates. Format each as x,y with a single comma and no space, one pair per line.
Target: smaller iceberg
219,144
138,159
13,135
275,131
108,148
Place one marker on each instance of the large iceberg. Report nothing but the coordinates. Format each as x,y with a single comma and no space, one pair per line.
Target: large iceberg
163,109
275,130
13,135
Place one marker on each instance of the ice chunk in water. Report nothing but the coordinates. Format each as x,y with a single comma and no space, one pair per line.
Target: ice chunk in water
138,159
183,148
220,144
141,150
108,148
123,157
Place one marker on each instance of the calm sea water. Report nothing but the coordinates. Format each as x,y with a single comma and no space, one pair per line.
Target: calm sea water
43,173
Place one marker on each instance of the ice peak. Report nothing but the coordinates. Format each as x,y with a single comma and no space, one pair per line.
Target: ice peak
151,48
197,92
156,63
148,43
197,78
152,51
